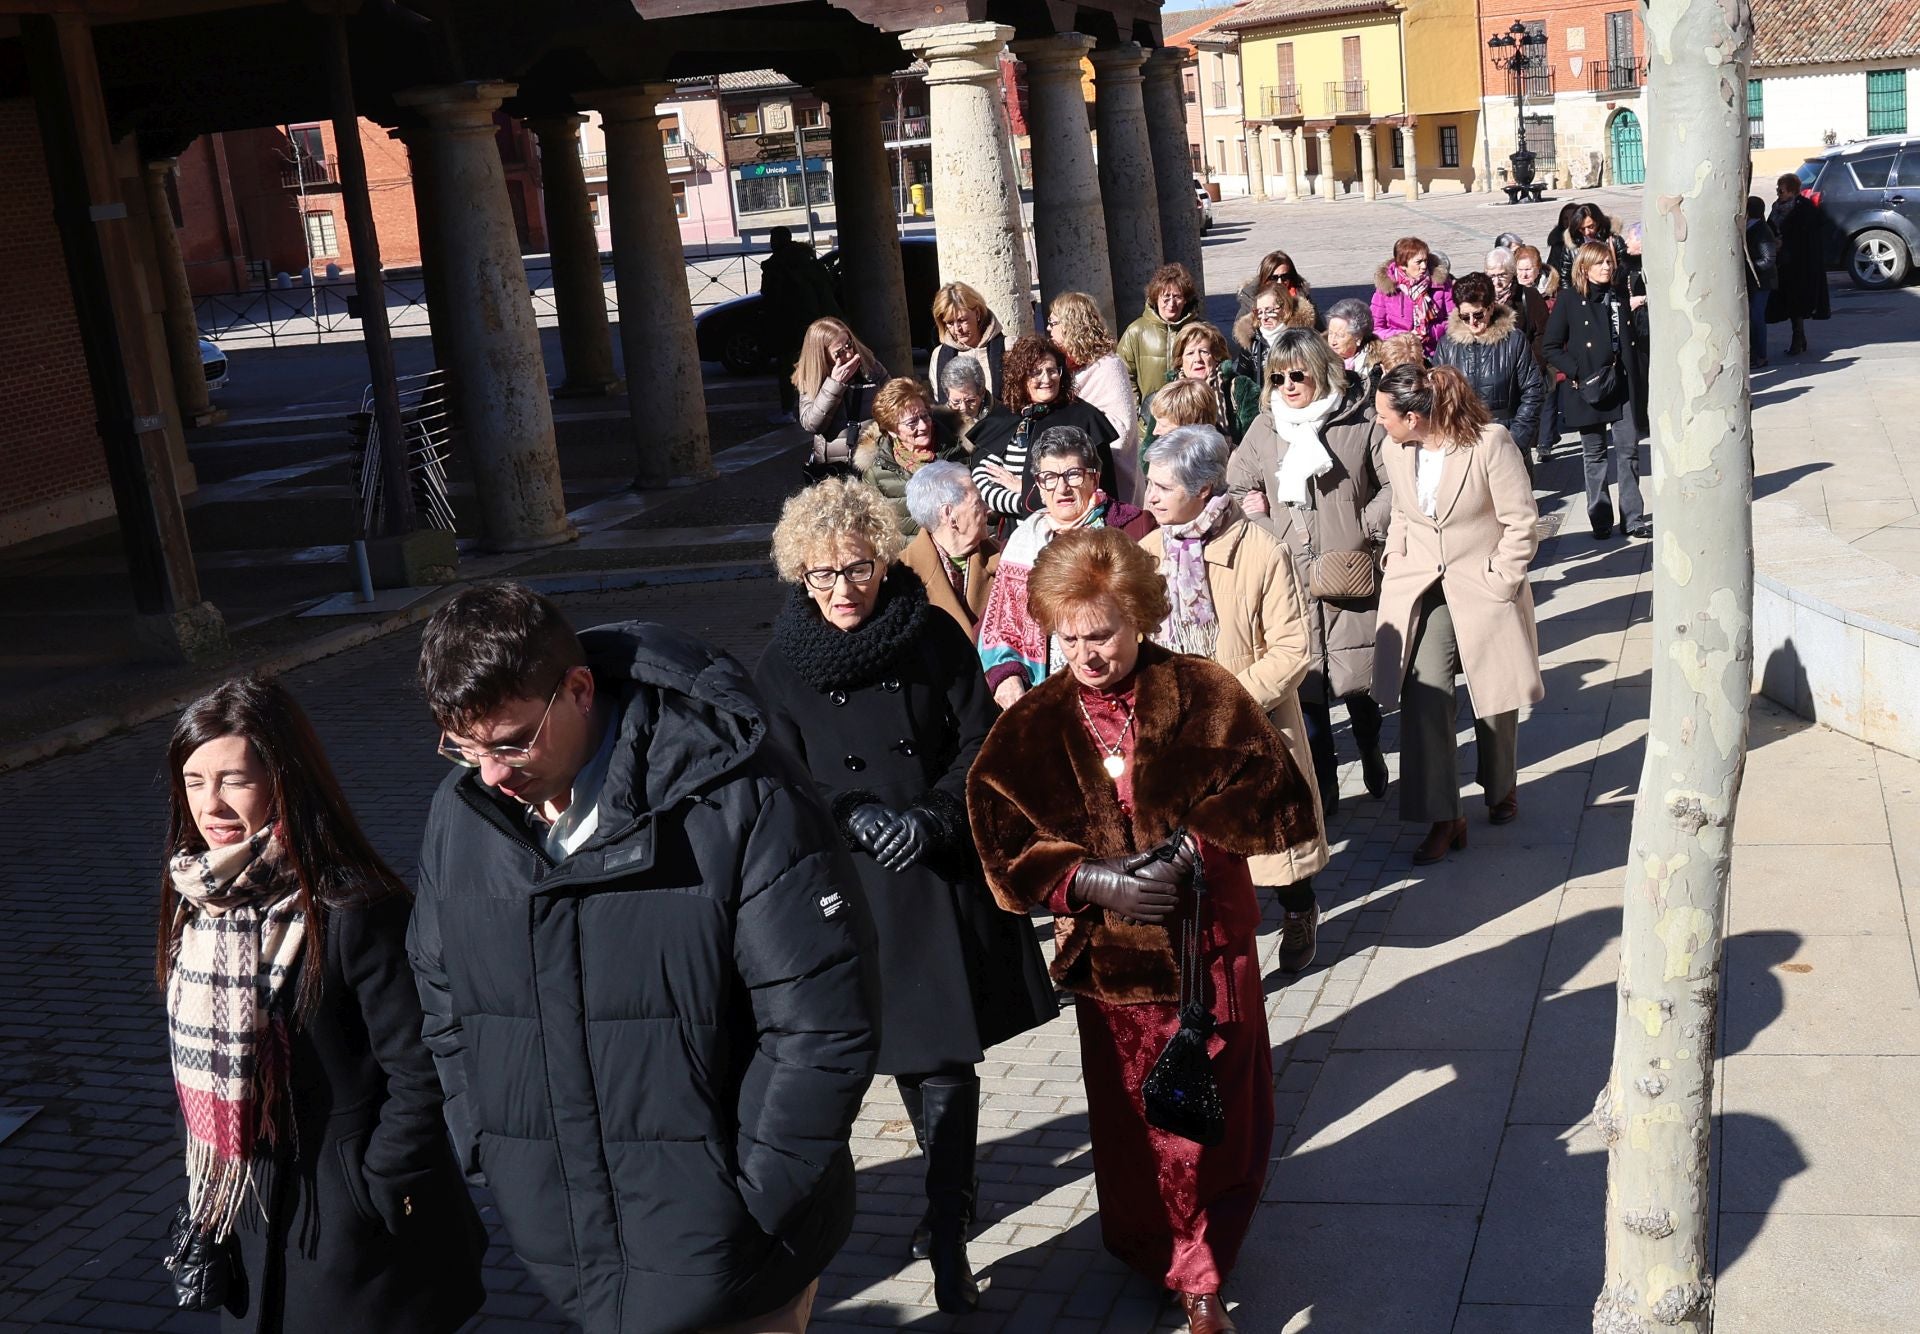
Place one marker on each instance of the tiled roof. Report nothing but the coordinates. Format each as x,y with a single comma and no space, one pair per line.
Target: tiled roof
1268,13
1819,32
1192,22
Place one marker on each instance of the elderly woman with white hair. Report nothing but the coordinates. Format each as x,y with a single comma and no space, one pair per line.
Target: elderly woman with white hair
963,387
1236,599
880,699
953,553
1350,335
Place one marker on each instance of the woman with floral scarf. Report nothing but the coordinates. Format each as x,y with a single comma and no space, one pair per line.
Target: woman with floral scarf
322,1193
1015,652
1236,599
1038,395
1413,293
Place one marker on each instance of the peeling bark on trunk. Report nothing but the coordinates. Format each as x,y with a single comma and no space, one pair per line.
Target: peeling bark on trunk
1656,1111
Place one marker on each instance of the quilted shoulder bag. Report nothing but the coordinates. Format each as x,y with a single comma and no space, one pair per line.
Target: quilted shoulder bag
1339,576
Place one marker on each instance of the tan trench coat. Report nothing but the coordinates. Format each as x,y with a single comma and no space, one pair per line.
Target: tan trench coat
1263,641
1477,549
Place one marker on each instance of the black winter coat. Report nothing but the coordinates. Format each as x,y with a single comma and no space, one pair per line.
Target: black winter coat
994,437
1579,342
369,1225
1763,257
1802,293
893,712
1500,364
654,1050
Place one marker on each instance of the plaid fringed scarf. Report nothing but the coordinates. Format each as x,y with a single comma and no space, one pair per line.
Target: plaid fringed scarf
240,939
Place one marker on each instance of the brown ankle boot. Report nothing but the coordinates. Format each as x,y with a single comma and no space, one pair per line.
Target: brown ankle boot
1207,1314
1445,836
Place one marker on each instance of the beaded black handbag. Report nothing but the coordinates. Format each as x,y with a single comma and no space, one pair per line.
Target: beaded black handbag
1180,1094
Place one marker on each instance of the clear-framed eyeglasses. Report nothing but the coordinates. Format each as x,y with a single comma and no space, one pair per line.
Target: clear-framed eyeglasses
858,573
511,757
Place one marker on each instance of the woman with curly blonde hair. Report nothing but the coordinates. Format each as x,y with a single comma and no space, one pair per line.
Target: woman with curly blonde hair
1099,376
881,700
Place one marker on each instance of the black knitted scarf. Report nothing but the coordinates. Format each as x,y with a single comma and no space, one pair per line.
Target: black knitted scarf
828,658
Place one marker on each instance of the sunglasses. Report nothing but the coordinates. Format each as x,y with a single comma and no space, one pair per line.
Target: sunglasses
1474,316
1279,378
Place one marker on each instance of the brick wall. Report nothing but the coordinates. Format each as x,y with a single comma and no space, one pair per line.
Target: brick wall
54,472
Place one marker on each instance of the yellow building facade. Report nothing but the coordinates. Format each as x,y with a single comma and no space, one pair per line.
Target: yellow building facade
1347,97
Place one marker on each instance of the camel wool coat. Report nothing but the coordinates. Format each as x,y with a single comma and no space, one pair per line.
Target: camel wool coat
1477,548
925,559
1264,642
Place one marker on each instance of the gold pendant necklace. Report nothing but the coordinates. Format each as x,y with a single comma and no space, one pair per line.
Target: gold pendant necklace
1115,763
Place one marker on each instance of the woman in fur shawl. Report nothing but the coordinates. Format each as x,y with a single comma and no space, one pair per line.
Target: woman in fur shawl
1113,793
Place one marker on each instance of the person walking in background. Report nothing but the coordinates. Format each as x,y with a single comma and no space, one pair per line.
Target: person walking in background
1485,344
1039,395
953,554
1412,294
1099,377
1533,278
1146,347
906,434
1590,341
1562,241
881,699
1107,795
963,388
315,1148
1454,598
1350,335
1236,599
835,378
1311,473
1201,354
1802,291
966,329
1016,653
1763,277
646,968
795,290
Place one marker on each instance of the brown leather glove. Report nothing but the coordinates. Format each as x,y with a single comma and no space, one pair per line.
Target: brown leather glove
1110,883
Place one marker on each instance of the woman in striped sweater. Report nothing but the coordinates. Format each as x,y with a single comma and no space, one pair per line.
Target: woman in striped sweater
1038,394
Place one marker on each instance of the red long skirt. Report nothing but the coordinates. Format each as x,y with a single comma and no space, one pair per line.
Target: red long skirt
1171,1209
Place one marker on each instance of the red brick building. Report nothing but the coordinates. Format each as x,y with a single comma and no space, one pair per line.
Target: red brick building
1584,109
256,203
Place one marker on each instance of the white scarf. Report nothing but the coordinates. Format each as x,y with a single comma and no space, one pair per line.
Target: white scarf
1306,458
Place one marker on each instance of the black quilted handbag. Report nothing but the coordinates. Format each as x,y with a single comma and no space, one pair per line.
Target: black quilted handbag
1181,1094
201,1268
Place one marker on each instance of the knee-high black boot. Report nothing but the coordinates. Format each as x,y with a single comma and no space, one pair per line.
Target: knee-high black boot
910,1098
952,1110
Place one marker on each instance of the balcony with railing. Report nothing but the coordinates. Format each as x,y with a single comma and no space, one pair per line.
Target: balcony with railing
907,130
1537,87
310,173
1348,97
1280,103
1611,78
1217,94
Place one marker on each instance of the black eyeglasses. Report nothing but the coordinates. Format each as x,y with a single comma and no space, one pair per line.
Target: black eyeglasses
1053,481
860,572
1279,378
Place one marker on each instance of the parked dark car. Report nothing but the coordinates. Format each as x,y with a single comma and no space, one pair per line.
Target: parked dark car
731,332
1869,195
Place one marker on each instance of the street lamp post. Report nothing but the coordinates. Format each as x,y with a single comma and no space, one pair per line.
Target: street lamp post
1518,51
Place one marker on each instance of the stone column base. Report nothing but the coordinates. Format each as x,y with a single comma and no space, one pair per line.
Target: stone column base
211,417
191,634
413,560
591,389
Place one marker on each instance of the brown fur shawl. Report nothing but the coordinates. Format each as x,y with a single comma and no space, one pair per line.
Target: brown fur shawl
1205,757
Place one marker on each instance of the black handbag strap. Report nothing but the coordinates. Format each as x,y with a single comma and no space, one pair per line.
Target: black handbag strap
1193,978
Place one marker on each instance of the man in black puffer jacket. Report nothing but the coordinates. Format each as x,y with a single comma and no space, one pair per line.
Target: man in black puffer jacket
1487,345
645,966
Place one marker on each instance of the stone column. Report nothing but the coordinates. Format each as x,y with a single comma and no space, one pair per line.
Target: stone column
433,258
869,221
665,396
182,329
1329,187
579,290
1369,176
1289,166
1256,164
977,203
1299,137
1127,188
1166,103
494,358
1412,186
1069,227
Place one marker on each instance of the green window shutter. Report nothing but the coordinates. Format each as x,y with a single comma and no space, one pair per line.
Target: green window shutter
1886,101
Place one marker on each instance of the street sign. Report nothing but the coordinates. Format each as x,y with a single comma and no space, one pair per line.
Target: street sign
791,167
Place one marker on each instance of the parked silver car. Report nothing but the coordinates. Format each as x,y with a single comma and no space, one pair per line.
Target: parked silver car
214,362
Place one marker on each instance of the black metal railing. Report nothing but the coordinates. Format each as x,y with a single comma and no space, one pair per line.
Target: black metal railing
1610,78
310,173
1278,103
1537,87
1347,98
1219,93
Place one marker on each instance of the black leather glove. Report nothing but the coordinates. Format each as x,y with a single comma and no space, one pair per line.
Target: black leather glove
870,825
913,833
1110,883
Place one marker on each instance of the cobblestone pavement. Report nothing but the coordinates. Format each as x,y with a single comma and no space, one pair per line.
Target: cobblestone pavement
1434,1169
